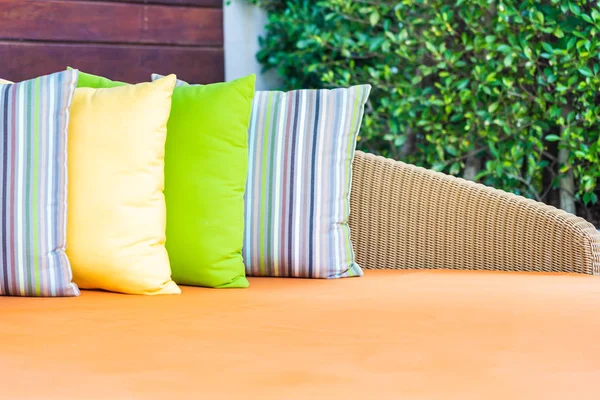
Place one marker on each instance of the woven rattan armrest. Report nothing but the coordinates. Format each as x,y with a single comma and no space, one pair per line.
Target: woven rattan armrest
404,217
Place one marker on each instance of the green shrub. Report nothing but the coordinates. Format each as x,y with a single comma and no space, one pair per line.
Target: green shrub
503,92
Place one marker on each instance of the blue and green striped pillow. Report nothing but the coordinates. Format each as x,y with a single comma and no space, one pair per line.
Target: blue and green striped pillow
301,147
34,116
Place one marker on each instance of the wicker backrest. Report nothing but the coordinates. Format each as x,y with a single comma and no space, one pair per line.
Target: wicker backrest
404,216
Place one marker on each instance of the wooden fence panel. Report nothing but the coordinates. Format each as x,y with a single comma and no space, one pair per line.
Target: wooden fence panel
123,40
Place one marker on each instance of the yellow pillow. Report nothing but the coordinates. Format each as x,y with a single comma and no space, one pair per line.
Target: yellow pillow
117,213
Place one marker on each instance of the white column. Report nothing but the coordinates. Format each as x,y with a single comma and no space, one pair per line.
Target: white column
243,24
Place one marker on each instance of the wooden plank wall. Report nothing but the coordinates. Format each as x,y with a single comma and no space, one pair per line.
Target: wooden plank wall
124,40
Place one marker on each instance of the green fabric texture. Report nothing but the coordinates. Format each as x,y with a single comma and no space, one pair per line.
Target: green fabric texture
206,166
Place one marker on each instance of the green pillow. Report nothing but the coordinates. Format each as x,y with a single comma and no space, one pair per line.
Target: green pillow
206,165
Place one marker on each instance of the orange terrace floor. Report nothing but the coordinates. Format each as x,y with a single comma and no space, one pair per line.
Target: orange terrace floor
390,335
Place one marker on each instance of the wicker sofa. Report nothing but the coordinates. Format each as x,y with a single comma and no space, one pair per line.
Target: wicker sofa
397,333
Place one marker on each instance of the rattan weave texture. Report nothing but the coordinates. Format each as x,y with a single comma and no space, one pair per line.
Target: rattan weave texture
406,217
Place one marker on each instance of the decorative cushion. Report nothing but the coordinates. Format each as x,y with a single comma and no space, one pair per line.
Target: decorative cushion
178,82
301,146
206,168
117,215
298,196
34,116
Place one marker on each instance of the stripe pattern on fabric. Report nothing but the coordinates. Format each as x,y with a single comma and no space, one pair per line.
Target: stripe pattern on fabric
301,147
34,118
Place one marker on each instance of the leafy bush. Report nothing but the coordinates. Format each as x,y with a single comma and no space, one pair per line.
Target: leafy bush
503,92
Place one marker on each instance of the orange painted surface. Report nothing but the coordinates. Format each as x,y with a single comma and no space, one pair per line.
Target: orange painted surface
389,335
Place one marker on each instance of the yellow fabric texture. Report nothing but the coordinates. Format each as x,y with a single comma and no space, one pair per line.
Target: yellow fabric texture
117,212
4,81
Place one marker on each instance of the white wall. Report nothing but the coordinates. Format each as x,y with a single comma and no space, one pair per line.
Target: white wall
243,24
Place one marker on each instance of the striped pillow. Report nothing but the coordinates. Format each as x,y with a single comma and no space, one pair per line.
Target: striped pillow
178,82
34,117
298,194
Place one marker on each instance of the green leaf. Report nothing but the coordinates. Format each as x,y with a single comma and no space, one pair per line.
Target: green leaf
376,43
493,107
547,47
555,111
438,166
454,168
552,138
540,17
451,150
482,174
508,83
493,150
585,71
399,141
574,8
550,77
543,163
430,47
587,198
302,44
558,32
499,170
462,84
374,18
